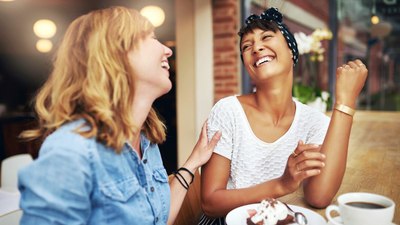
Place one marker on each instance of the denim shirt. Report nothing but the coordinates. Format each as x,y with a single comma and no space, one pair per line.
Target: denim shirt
77,180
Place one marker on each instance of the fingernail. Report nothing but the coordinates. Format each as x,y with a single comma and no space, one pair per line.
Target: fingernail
323,164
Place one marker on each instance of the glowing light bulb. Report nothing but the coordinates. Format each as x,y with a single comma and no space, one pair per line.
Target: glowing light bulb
44,28
154,14
44,45
374,19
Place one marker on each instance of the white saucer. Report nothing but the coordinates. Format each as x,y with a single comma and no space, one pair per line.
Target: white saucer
339,220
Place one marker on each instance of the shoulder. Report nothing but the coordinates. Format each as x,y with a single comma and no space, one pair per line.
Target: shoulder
226,101
311,117
67,139
310,112
225,108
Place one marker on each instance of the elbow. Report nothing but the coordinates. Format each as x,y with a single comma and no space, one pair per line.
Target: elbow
318,202
208,209
211,210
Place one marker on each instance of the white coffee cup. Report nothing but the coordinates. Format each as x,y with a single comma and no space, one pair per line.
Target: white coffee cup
359,208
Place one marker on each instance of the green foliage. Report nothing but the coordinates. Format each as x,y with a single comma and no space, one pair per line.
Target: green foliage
306,94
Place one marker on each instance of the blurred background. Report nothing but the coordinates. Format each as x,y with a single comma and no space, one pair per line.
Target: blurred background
206,62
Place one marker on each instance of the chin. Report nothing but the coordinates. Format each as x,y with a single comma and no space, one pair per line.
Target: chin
166,89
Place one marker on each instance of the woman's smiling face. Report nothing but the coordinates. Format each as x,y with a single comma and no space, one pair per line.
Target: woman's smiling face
149,62
265,53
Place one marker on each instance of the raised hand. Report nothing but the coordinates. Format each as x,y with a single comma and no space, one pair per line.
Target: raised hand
350,79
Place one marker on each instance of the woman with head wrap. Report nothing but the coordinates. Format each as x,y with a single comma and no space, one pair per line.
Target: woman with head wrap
271,144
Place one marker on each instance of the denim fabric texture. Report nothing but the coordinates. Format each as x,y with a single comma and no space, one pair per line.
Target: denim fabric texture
77,180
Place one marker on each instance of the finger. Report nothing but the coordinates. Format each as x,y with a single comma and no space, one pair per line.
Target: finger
215,139
308,173
204,129
352,64
301,147
307,147
310,164
309,156
359,63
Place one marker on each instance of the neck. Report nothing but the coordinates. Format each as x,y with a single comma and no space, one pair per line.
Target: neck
275,100
140,109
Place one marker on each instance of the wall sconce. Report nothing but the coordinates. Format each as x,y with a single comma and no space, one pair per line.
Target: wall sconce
154,14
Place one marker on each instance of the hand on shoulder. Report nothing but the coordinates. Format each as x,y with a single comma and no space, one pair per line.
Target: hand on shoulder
203,149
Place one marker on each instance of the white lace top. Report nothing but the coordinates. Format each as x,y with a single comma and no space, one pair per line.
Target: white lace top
252,160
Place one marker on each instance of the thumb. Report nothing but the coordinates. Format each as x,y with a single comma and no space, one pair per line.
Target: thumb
215,139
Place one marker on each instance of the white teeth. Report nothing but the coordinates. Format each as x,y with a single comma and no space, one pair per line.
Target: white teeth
165,65
263,60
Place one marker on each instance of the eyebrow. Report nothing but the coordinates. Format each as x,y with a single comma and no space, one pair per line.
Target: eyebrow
261,33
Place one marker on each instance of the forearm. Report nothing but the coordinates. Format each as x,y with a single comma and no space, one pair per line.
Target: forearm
220,202
178,192
320,190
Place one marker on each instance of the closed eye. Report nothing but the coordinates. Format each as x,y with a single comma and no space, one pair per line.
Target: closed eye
264,37
245,47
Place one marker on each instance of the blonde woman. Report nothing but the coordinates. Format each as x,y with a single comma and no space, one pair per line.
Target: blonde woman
99,163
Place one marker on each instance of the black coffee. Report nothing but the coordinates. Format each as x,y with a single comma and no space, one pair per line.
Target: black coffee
366,205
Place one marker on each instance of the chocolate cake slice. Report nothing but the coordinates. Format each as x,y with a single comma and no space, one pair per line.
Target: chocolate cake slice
270,212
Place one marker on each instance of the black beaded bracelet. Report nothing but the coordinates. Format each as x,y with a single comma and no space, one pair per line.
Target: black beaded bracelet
191,174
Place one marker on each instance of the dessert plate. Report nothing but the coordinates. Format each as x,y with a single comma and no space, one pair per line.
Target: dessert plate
239,215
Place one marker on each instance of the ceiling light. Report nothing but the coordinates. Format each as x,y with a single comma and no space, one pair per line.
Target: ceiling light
374,17
154,14
44,28
44,45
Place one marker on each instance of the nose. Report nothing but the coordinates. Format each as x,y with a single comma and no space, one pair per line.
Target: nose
258,47
168,51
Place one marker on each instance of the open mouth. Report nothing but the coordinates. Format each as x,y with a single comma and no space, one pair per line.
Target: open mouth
263,60
165,65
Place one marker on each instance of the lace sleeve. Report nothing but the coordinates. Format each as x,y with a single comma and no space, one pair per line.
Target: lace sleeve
221,118
319,126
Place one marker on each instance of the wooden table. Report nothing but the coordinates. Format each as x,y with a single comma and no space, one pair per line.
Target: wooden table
373,160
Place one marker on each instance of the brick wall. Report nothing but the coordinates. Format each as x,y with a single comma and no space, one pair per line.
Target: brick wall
226,58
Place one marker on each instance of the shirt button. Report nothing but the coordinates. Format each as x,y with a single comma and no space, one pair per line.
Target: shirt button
144,161
152,189
156,219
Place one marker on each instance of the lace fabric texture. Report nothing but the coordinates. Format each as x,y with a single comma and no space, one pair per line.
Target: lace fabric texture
252,160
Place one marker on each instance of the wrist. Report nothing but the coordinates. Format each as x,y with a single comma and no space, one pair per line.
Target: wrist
344,109
191,166
282,187
349,103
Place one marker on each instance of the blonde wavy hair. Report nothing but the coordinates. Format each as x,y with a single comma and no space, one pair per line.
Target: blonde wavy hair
92,79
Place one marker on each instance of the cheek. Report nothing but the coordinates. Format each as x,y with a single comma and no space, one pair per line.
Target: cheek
246,59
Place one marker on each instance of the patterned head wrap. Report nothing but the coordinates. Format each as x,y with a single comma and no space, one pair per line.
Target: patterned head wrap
272,14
